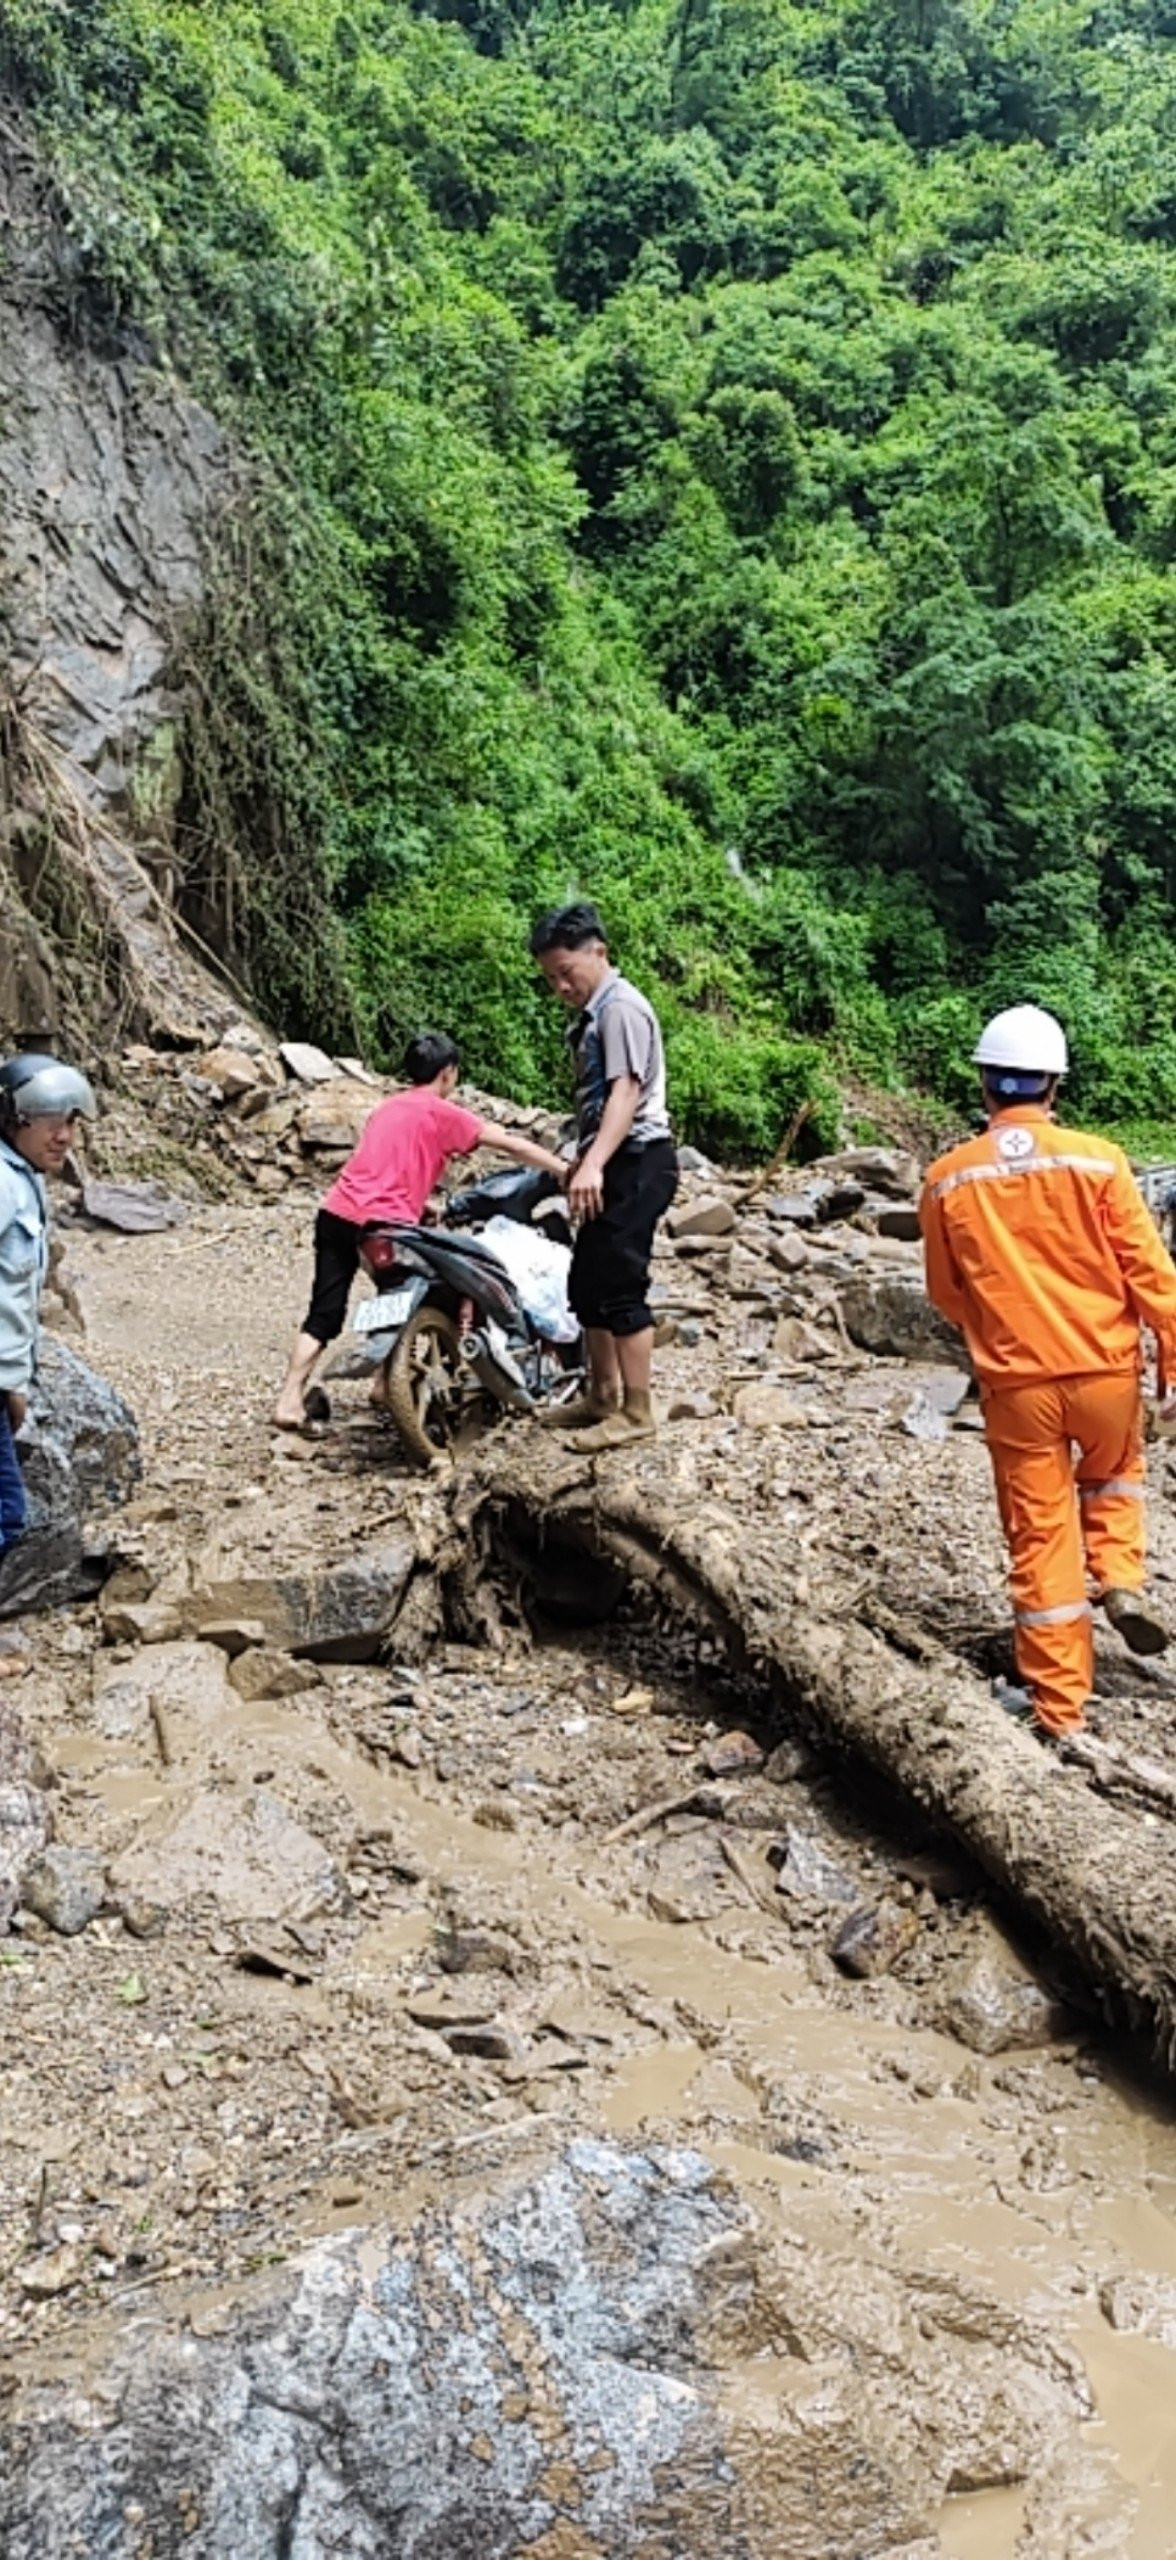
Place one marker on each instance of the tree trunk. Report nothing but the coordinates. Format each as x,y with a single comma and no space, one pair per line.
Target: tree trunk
1098,1877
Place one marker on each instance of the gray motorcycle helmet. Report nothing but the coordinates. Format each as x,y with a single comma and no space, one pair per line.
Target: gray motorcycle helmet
33,1087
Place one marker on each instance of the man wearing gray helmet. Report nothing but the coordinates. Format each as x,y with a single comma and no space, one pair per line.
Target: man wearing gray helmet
41,1102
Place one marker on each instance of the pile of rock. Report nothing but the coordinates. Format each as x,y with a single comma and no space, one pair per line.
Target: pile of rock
276,1114
825,1266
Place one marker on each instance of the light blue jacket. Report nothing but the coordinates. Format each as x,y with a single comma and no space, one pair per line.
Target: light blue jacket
24,1257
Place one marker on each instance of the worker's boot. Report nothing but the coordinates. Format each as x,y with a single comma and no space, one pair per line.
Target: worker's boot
632,1421
1137,1621
588,1410
1019,1703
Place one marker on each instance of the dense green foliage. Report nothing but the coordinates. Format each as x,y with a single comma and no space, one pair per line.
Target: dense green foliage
724,459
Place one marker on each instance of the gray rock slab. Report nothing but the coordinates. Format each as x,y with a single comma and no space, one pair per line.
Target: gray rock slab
238,1846
888,1312
596,2359
66,1888
339,1615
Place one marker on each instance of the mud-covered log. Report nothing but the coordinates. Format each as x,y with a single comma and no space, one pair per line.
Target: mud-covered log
1098,1879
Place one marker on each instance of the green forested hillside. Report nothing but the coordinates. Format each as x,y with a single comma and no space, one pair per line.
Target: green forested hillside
719,455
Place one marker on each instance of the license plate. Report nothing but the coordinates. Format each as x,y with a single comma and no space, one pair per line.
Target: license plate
378,1315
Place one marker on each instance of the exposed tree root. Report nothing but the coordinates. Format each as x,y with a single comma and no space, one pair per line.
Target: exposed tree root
1100,1881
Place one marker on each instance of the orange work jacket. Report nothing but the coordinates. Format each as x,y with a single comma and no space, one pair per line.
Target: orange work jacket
1040,1248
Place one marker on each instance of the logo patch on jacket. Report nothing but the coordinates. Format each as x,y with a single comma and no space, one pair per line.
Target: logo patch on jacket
1015,1142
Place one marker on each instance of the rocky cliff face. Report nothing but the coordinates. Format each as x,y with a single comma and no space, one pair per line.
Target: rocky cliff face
110,479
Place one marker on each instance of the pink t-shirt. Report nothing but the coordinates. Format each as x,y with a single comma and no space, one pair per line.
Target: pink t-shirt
402,1151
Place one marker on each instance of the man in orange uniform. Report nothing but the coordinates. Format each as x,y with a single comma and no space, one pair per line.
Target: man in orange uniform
1039,1247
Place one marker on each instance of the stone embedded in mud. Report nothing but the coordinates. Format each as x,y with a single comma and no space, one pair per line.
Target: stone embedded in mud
66,1888
341,1614
769,1408
241,1849
993,2006
1145,2305
873,1939
24,1810
187,1680
807,1871
80,1455
733,1755
606,2354
262,1672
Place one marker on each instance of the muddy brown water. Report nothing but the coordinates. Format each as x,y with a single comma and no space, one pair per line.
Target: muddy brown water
245,2114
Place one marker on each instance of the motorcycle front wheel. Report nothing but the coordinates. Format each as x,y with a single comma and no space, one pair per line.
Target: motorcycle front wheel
432,1396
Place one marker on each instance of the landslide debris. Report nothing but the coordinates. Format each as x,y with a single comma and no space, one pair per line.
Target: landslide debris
379,1935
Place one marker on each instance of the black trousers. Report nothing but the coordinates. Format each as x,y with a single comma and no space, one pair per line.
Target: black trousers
336,1261
609,1282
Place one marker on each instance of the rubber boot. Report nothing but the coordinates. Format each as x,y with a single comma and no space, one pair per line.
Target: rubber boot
634,1420
587,1410
1138,1622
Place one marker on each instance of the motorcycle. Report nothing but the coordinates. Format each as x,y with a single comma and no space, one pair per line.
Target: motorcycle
466,1324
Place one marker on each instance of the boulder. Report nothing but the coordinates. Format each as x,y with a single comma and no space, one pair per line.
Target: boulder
889,1313
836,1200
788,1250
80,1456
602,2354
334,1116
791,1208
710,1216
234,1073
135,1208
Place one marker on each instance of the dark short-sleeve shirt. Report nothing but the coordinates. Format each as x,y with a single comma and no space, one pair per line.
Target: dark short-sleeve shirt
618,1034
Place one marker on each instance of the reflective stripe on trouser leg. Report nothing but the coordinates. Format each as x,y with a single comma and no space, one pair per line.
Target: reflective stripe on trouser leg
1105,1417
1029,1445
1064,1616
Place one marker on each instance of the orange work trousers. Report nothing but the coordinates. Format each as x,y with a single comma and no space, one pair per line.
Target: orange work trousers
1064,1517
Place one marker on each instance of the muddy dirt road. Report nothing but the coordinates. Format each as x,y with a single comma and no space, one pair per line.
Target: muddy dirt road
380,1928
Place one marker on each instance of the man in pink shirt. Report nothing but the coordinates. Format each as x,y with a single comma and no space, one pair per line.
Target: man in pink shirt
404,1149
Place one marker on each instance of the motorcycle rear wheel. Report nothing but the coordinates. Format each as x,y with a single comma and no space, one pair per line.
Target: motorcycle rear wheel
435,1402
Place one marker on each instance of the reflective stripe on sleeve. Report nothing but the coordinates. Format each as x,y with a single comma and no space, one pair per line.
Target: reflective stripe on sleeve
1009,1169
1124,1486
1063,1616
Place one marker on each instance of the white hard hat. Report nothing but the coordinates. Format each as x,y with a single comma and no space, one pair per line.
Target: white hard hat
1025,1041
